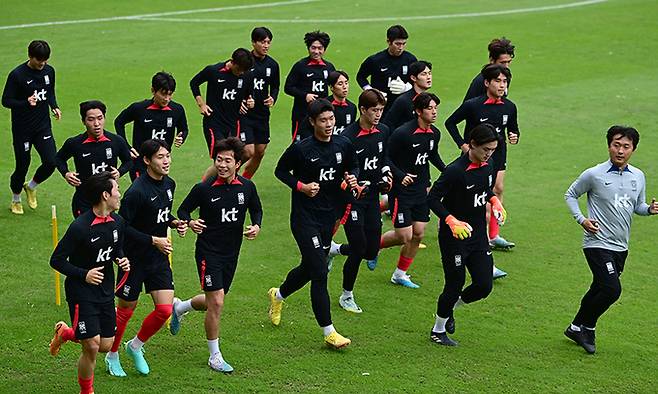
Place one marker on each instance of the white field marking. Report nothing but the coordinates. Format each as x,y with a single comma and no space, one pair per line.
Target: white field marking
381,19
143,16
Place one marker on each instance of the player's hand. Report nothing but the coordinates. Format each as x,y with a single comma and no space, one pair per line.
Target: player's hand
590,225
133,153
397,86
498,210
163,244
311,97
251,232
180,226
269,101
95,276
32,100
250,102
57,113
310,189
653,207
205,110
513,138
408,179
386,183
178,140
197,226
72,178
123,263
243,107
460,230
115,173
465,148
350,179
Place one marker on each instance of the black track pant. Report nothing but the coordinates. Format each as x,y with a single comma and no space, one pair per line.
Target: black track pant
606,266
363,228
44,142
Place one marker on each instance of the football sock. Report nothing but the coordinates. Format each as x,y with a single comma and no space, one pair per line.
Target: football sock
398,273
123,316
459,303
184,306
279,297
334,250
404,263
440,324
154,321
326,330
112,355
347,294
16,198
213,347
69,334
494,228
32,184
575,328
86,385
590,329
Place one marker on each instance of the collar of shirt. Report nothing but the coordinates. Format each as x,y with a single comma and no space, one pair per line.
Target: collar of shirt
339,103
102,138
221,181
423,131
156,107
101,220
614,168
313,62
475,166
224,69
363,132
491,101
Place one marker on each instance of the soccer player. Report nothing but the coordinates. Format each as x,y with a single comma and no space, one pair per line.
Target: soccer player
158,117
363,225
228,94
344,109
388,70
402,110
314,168
256,123
459,198
146,207
30,94
307,80
223,202
94,151
615,190
501,51
411,148
499,111
86,253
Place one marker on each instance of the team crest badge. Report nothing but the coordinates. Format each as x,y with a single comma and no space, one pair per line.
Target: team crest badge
348,118
490,180
46,79
26,146
405,69
355,216
634,185
380,146
316,242
268,72
458,260
431,144
115,235
339,157
170,195
240,83
240,198
170,122
504,120
243,137
126,290
326,74
108,153
82,327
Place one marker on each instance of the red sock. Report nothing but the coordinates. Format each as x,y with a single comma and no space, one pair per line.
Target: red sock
404,262
247,174
123,316
154,321
382,206
86,385
381,243
69,334
494,228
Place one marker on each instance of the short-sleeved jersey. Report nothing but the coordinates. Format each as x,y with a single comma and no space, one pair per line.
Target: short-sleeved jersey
307,77
266,82
23,82
500,113
150,121
92,156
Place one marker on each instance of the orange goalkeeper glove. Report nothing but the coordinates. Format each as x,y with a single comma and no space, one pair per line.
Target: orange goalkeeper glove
460,230
498,210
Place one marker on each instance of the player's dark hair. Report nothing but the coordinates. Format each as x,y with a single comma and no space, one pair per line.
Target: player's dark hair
483,134
418,67
163,81
95,185
232,144
334,75
39,49
500,46
371,98
492,71
152,146
396,32
317,35
423,100
243,59
85,106
316,107
260,33
616,132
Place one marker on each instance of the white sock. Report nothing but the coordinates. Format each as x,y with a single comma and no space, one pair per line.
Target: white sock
347,294
575,328
213,347
16,198
32,184
440,324
279,297
459,303
184,306
399,273
328,329
113,355
136,343
590,329
334,250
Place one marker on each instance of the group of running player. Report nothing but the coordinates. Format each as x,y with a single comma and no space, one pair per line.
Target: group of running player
346,164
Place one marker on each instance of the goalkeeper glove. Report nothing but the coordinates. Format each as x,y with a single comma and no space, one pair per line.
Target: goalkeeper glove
460,230
359,191
386,183
397,86
498,210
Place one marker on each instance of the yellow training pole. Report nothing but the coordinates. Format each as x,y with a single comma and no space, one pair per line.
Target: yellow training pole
171,255
58,293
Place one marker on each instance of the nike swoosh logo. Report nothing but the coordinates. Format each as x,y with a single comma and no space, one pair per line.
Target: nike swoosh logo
314,160
470,186
215,199
325,247
489,253
483,119
47,137
221,80
359,151
95,239
153,198
86,154
608,183
148,120
309,75
415,145
383,69
30,81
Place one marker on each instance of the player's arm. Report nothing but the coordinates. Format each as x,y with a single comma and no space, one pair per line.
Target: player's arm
641,206
395,146
291,86
275,84
451,125
65,248
513,132
434,156
285,165
392,118
124,156
126,116
52,98
440,189
182,130
61,162
474,89
579,187
10,95
130,205
195,85
365,71
191,202
255,213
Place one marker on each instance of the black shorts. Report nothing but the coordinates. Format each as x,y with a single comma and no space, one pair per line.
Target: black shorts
500,157
89,319
256,131
363,213
406,210
605,264
214,273
153,273
214,132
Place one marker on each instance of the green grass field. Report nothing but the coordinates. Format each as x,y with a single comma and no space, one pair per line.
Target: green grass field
578,70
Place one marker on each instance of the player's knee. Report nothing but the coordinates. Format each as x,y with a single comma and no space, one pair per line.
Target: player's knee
214,304
612,292
91,346
484,289
418,235
163,311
